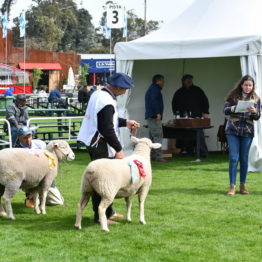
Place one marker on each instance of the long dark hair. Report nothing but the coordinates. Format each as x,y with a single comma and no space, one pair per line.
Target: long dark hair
236,93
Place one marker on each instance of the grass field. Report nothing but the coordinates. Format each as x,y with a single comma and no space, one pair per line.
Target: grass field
189,216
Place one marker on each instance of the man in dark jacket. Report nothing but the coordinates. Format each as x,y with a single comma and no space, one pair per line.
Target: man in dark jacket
154,113
191,101
17,116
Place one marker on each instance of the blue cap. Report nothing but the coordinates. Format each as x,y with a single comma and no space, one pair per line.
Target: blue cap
120,80
24,131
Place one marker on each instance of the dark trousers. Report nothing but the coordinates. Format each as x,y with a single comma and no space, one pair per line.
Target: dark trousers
96,153
189,144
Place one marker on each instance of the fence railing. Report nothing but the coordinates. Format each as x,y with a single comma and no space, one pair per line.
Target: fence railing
65,127
8,141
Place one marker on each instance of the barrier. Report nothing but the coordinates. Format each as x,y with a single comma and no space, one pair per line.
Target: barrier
4,142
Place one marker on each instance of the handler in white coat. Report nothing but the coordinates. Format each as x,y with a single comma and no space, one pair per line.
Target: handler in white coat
99,129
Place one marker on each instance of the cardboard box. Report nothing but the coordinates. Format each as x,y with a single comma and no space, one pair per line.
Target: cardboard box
192,122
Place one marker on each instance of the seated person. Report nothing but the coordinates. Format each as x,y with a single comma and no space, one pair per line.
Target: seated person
9,92
84,94
55,96
25,140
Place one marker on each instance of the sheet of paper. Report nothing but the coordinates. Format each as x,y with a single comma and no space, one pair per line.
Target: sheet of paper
243,105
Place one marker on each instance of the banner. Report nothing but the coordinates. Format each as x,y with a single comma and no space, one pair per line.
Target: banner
115,16
108,31
22,24
4,25
125,25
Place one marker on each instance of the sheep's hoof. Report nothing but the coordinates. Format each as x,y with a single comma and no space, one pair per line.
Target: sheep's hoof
11,218
129,219
37,211
43,212
142,222
78,227
105,229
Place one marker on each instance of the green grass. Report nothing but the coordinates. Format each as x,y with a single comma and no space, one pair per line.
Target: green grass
189,216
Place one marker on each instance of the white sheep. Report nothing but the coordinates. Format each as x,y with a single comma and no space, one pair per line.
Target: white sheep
30,169
112,178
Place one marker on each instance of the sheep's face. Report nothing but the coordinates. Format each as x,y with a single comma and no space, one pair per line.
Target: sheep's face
62,150
146,141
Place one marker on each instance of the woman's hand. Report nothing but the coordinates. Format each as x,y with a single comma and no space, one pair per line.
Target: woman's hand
252,109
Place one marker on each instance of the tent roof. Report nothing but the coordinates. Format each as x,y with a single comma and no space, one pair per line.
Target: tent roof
208,28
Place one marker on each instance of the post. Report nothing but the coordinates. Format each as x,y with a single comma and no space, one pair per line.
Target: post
24,60
145,25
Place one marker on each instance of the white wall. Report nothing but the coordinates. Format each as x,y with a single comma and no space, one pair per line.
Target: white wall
216,76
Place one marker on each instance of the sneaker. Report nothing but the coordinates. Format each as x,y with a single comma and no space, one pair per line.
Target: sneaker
29,203
117,216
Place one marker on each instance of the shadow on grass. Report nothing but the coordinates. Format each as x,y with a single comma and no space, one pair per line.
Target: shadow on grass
28,220
187,191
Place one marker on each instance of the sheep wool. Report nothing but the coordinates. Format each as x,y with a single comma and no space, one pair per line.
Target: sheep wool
30,169
113,178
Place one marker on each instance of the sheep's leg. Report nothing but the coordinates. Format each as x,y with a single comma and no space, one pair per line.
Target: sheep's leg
80,207
141,198
128,208
36,202
10,191
104,204
43,201
2,210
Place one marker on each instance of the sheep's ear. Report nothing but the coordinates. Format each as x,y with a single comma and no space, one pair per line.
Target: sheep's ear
155,145
134,139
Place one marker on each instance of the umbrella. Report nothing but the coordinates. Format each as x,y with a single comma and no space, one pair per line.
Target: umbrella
71,78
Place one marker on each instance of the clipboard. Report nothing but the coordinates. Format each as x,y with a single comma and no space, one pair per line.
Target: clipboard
242,106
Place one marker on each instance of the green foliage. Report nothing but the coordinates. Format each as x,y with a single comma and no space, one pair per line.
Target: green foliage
189,218
83,73
57,25
6,6
37,73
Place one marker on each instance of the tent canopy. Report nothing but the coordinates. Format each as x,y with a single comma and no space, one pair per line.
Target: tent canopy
208,28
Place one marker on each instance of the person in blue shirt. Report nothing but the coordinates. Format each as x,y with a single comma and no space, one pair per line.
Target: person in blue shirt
9,92
154,112
55,96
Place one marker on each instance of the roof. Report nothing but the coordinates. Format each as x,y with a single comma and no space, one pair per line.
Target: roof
97,56
207,28
42,66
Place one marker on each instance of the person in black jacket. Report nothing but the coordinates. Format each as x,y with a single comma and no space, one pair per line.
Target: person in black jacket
154,113
99,129
191,101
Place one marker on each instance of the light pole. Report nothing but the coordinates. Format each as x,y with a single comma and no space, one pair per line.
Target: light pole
145,24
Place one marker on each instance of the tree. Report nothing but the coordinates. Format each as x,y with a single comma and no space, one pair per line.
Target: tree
37,73
83,73
6,6
57,25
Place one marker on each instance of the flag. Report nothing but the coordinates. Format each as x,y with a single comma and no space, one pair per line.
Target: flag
125,26
22,24
4,24
108,31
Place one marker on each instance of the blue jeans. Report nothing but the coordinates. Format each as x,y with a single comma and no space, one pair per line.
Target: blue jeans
14,134
238,152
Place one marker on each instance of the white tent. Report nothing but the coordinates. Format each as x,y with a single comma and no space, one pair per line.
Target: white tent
215,40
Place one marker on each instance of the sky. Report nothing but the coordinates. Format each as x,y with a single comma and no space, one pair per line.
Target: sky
160,10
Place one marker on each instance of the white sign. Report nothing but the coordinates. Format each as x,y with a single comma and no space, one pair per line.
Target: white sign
115,16
105,64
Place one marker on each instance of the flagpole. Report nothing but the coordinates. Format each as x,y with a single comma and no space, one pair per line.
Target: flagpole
6,49
24,60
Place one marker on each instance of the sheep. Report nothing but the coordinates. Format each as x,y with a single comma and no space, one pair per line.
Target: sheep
112,178
30,169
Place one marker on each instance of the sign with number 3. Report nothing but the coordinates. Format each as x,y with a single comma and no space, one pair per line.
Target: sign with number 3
115,16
